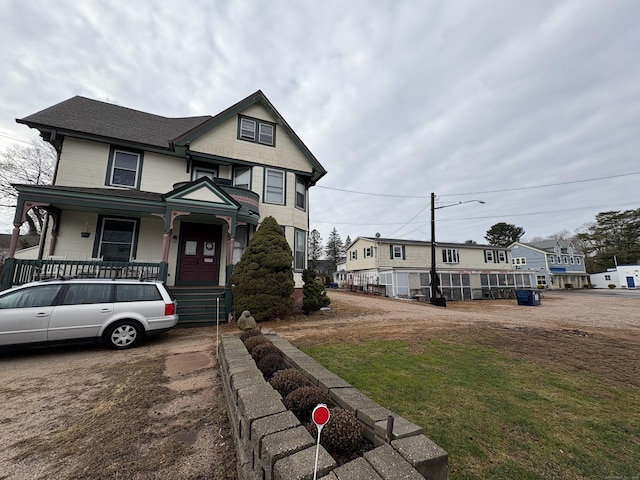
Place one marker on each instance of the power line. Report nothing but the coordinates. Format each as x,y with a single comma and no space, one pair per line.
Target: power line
15,139
481,192
479,218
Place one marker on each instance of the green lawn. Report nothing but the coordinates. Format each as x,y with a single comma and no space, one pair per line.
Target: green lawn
499,418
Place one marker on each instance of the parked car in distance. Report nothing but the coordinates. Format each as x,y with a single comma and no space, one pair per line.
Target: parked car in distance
118,313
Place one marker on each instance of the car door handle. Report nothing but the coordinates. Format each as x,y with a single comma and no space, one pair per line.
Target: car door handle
42,314
105,310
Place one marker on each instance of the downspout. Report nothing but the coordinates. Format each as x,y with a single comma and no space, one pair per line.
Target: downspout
57,145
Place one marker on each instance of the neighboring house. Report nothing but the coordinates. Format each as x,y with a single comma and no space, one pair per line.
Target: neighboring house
186,194
558,264
340,275
24,242
622,276
401,268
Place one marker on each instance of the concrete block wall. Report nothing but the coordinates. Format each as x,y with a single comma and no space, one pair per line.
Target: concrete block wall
271,444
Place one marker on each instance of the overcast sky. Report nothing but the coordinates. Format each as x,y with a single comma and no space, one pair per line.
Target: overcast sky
530,106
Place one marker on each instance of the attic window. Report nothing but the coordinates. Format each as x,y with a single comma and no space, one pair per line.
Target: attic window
257,131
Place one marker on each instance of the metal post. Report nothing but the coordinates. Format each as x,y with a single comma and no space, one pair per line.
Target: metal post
434,275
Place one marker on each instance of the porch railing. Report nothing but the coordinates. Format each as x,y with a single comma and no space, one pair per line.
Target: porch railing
18,271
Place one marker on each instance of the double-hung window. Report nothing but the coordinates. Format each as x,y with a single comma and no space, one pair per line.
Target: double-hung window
117,239
301,194
274,186
450,255
300,245
257,131
125,169
502,257
242,177
488,256
368,252
397,252
353,255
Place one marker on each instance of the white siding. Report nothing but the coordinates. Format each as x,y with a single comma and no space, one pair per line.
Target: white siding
223,140
83,163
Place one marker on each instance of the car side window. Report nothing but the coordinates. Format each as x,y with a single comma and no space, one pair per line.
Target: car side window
38,296
80,294
137,293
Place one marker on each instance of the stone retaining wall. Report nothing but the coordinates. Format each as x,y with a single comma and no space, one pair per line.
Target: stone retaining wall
271,444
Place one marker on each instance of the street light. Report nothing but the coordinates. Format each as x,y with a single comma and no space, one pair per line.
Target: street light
434,275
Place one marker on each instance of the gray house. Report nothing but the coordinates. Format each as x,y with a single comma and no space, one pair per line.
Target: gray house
557,262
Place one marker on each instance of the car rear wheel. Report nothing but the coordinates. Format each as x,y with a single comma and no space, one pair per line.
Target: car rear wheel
123,335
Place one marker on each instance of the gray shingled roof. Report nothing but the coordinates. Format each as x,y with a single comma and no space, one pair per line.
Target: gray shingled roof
83,115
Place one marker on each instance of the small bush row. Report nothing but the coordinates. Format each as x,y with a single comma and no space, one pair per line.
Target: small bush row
342,435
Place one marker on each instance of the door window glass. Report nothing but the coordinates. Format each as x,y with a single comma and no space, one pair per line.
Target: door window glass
79,294
40,296
190,247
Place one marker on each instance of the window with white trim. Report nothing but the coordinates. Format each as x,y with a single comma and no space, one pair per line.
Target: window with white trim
199,172
300,245
397,252
607,277
353,255
242,177
552,259
488,256
450,255
274,186
125,169
117,239
502,257
541,280
257,131
566,259
301,193
578,261
572,260
368,252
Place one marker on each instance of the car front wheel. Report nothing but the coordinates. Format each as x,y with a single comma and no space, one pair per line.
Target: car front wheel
123,335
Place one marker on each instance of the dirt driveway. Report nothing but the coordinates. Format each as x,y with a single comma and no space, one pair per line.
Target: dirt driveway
156,412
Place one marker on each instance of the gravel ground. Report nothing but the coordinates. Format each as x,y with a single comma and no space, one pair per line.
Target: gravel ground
157,412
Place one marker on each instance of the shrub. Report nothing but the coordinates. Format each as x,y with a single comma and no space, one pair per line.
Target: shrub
342,435
568,286
247,334
315,296
253,342
263,278
286,381
612,285
303,400
262,350
270,364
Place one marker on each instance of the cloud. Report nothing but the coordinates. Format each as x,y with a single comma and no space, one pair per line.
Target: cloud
394,98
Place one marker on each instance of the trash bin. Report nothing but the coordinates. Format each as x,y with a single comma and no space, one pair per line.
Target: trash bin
528,297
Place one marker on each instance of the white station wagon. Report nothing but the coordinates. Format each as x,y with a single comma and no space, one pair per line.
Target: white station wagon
118,313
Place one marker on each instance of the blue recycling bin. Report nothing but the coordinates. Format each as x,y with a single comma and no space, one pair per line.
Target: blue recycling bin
528,297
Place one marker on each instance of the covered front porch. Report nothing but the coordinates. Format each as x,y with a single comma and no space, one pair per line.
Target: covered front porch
188,237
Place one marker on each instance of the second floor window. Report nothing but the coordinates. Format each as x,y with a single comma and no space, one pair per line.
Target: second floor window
125,169
450,255
301,194
242,177
353,255
274,186
368,252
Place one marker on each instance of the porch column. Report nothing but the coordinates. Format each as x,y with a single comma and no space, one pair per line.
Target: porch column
166,243
15,234
230,241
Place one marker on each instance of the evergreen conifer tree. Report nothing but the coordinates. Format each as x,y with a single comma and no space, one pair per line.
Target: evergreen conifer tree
263,278
314,294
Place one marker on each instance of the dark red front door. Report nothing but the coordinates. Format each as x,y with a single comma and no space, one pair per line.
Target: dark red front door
199,253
